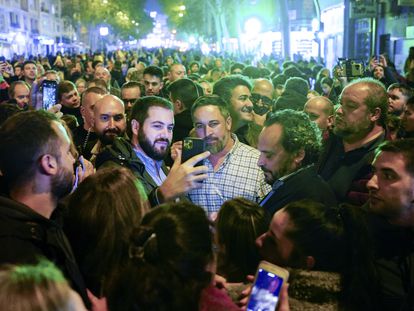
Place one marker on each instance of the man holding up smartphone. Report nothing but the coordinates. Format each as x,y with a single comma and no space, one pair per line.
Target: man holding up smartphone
152,123
232,168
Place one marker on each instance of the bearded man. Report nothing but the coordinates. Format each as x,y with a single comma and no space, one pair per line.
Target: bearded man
232,169
152,124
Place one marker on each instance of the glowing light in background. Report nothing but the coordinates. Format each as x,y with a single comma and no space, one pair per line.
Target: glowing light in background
253,26
103,31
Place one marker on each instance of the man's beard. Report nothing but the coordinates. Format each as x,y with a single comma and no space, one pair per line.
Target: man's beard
215,148
149,148
62,183
284,169
347,129
109,135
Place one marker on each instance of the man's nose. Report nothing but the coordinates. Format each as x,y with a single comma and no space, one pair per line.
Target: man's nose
373,183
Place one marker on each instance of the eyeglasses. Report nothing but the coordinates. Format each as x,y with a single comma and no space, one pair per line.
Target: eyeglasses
255,98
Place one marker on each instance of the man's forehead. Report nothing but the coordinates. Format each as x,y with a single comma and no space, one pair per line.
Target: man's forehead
160,114
109,106
91,98
240,90
151,78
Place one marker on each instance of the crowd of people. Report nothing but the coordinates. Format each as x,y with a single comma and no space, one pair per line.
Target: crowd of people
309,168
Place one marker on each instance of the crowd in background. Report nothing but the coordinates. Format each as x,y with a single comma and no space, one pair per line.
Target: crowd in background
307,167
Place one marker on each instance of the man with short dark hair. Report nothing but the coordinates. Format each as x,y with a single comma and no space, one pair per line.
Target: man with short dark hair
289,146
68,97
29,72
130,92
153,81
391,197
235,91
152,122
398,95
359,125
36,165
183,93
231,165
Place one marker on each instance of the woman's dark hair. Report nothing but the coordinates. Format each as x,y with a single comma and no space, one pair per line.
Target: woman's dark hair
339,241
239,223
170,253
101,215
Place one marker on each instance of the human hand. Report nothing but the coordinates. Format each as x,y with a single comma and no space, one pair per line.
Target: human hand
283,304
85,169
176,149
55,109
383,61
184,177
98,304
244,296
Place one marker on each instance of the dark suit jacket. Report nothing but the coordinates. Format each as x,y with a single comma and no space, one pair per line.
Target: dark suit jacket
305,183
120,153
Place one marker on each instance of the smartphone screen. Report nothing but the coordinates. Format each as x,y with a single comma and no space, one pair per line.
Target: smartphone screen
49,94
191,147
265,292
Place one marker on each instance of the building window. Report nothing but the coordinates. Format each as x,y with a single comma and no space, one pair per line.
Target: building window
24,4
2,22
43,7
14,20
34,26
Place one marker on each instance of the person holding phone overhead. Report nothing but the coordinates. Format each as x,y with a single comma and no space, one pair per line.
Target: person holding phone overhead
152,123
232,169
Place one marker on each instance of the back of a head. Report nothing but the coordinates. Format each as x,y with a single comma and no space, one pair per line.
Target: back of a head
239,223
339,241
101,215
171,251
185,90
19,151
40,287
252,72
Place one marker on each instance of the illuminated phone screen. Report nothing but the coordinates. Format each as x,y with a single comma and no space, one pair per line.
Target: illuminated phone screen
265,293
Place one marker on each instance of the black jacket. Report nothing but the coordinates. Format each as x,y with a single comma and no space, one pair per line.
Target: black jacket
305,183
26,237
121,153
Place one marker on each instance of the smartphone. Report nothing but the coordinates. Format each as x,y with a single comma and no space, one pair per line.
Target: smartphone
191,147
266,287
49,94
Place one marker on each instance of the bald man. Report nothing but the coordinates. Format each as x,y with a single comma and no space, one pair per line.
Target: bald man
262,99
84,136
320,110
109,121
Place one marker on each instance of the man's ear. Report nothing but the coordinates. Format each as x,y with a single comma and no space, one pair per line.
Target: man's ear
376,114
48,164
161,85
310,262
330,121
179,104
134,126
299,157
229,123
